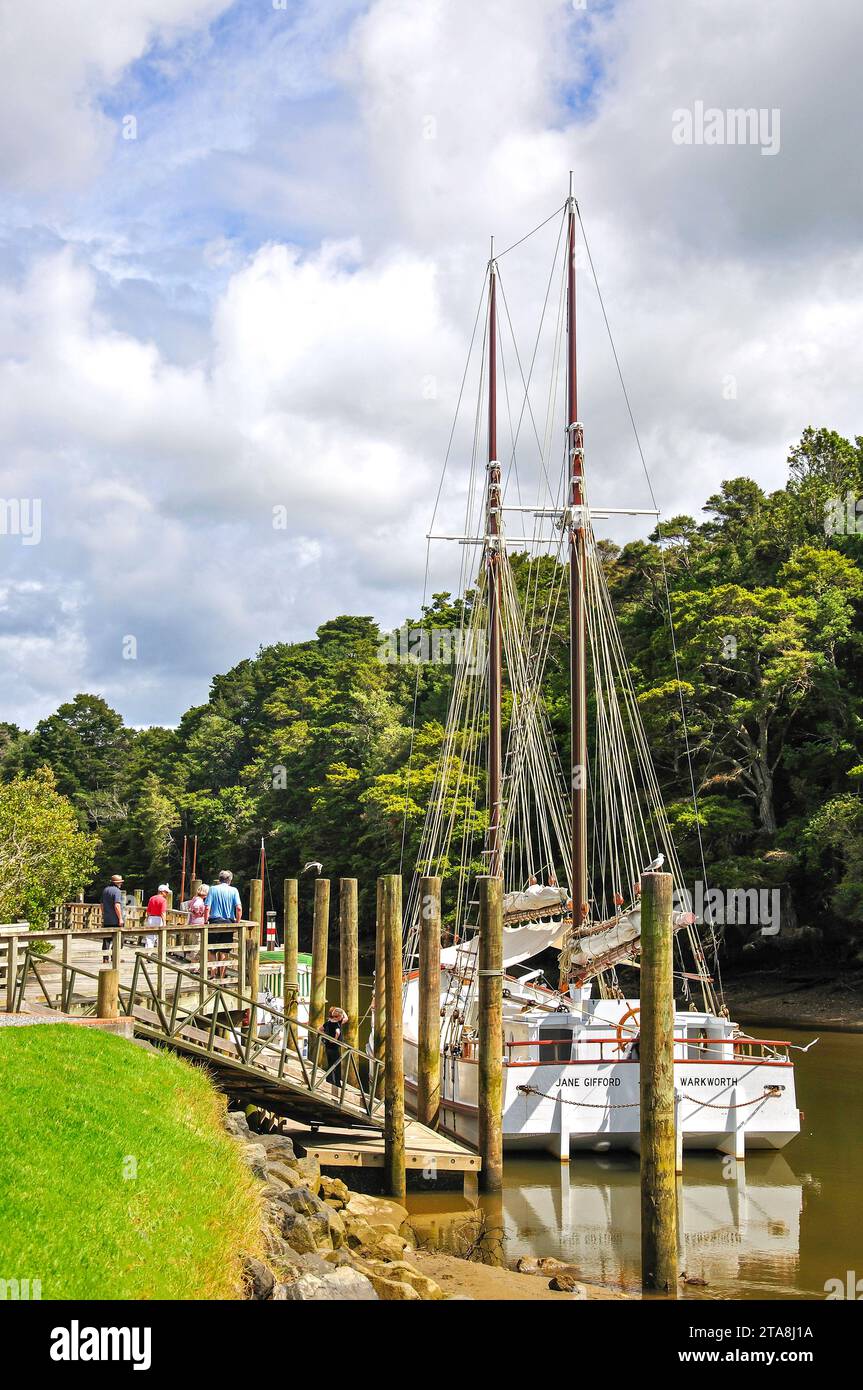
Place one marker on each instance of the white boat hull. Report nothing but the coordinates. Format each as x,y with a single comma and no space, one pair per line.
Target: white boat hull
588,1099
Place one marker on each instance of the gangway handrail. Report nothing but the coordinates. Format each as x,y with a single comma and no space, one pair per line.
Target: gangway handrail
248,1042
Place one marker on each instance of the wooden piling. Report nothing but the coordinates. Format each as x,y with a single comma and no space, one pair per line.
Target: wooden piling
394,1070
380,1038
320,934
253,936
428,1039
656,1058
291,982
349,960
108,993
490,1078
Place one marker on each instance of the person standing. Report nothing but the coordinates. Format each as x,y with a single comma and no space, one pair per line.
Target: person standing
223,907
334,1028
157,909
198,918
112,912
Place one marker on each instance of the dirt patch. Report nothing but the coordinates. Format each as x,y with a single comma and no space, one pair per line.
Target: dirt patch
797,998
481,1281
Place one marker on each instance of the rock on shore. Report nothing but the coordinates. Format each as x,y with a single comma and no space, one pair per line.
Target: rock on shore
322,1241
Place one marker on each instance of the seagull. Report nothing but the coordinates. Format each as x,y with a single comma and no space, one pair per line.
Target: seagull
655,866
313,864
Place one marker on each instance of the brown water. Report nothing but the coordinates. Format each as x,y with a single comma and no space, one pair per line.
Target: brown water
794,1221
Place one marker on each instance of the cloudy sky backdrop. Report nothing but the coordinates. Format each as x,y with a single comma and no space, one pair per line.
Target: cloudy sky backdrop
242,307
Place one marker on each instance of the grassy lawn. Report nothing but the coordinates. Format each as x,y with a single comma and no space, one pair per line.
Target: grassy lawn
116,1178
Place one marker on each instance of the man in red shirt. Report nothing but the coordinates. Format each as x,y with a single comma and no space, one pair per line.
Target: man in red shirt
156,909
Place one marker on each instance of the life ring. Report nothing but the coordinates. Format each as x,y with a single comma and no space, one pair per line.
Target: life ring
621,1042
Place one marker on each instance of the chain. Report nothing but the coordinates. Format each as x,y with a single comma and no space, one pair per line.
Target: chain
769,1093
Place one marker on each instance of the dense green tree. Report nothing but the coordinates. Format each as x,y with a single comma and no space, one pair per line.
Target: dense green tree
45,856
329,747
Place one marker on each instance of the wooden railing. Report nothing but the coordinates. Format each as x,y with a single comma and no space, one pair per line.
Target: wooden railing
88,917
212,1018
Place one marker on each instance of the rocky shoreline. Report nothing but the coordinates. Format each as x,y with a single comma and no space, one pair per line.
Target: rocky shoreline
324,1243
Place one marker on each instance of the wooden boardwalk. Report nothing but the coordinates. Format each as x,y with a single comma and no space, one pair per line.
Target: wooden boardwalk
256,1053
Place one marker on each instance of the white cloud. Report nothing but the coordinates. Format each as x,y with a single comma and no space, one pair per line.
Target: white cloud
309,217
56,60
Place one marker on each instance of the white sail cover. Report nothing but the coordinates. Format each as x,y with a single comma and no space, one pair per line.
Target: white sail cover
533,898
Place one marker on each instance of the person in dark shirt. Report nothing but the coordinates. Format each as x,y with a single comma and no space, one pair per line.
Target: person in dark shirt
112,912
333,1028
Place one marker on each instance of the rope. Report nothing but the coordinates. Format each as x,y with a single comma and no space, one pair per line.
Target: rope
769,1093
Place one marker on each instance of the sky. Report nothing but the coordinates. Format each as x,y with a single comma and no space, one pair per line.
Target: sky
242,247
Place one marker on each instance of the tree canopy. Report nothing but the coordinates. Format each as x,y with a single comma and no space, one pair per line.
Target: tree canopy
329,751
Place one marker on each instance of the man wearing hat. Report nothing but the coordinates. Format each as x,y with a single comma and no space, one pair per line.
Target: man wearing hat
112,912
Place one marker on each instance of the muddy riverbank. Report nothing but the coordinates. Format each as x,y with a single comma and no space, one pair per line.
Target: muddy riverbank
804,996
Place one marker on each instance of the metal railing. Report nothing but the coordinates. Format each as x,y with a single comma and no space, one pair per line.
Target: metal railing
742,1049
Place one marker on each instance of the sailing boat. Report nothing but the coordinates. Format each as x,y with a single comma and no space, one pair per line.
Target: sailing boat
571,857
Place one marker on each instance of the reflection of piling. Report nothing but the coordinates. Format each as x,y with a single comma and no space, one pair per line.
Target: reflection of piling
291,982
428,1040
349,962
394,1071
656,1057
320,933
380,1037
490,1079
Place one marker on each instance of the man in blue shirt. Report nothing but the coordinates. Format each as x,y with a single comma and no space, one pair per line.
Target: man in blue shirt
112,912
222,905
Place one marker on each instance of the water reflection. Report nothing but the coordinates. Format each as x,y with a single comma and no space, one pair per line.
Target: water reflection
736,1223
739,1235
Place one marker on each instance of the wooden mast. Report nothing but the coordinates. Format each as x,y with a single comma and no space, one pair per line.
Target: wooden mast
577,578
493,563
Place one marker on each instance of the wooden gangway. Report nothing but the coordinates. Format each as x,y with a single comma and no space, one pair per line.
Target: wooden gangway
179,996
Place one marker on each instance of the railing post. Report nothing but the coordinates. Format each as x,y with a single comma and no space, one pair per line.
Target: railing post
320,933
428,1040
656,1068
490,1078
11,972
349,964
203,964
394,1075
291,977
241,957
64,972
116,948
162,947
107,993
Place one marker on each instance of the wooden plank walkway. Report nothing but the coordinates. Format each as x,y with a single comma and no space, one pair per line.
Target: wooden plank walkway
426,1150
288,1073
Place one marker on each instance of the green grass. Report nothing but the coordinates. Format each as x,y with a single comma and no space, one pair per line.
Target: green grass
117,1180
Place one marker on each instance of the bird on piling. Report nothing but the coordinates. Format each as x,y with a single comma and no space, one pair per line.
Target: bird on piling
313,864
655,866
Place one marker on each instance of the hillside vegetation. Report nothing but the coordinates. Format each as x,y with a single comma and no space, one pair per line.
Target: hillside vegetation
309,743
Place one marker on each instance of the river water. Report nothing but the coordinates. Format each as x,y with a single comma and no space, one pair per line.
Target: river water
792,1223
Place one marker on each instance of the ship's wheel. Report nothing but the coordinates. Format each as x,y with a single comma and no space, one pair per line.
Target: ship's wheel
621,1041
